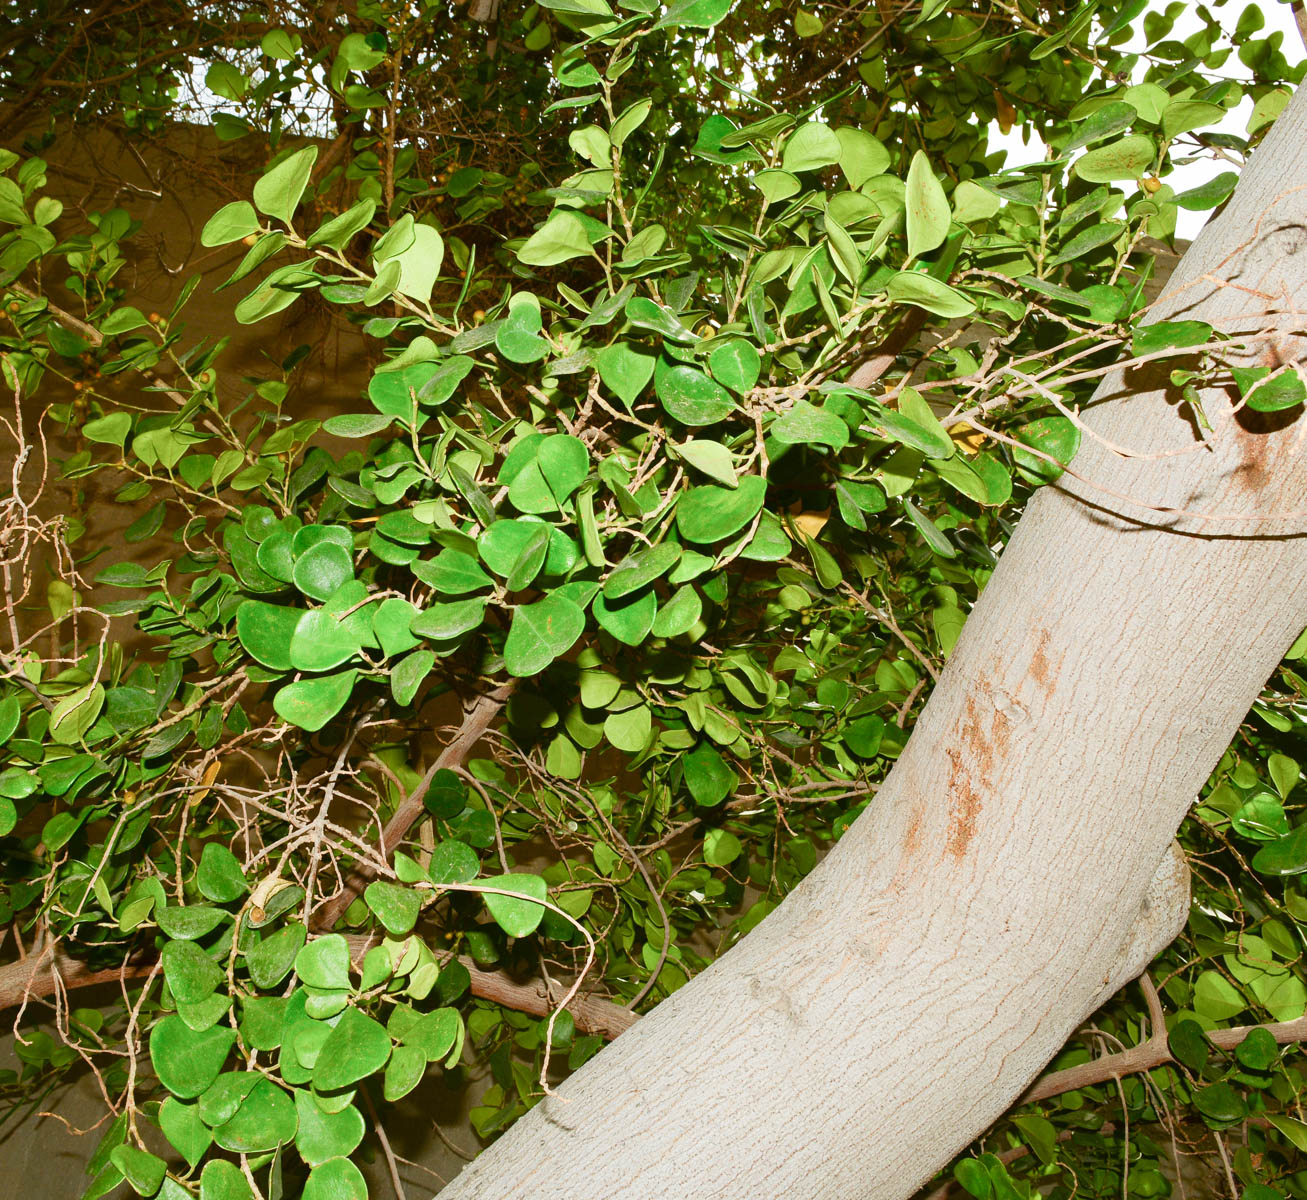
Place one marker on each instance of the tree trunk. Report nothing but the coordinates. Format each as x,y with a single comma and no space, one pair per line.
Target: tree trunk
1006,880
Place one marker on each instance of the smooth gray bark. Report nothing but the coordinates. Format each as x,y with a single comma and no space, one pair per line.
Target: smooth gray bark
1006,880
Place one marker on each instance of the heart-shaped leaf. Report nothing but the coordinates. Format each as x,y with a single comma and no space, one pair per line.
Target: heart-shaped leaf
185,1061
625,370
311,703
519,914
540,633
354,1049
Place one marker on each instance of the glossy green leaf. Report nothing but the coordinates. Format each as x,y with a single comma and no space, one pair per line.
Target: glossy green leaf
230,223
625,370
518,336
690,396
311,703
517,915
182,1126
185,1061
453,862
628,619
265,1120
707,776
710,513
540,633
334,1179
1056,437
322,1135
445,621
452,573
1129,158
321,642
355,1048
396,907
322,568
915,287
640,569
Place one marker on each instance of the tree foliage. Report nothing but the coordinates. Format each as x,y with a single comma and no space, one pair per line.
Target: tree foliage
717,351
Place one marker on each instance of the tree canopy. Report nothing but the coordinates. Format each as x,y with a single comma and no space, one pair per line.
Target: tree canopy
713,352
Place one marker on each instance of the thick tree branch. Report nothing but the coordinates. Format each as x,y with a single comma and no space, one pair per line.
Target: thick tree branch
40,974
476,720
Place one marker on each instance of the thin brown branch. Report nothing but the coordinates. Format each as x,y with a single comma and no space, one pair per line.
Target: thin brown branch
476,720
1153,1052
43,974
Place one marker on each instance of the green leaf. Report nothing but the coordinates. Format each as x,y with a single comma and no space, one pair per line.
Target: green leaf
444,622
565,462
629,619
690,396
810,147
862,156
1056,437
394,906
915,287
185,1061
679,614
453,862
355,1048
142,1170
229,224
335,1179
322,1135
322,568
737,364
452,573
324,963
113,429
265,1120
321,642
191,921
928,214
560,238
1128,158
311,703
223,1180
191,974
1285,856
404,1072
710,513
406,676
804,425
182,1126
516,915
712,458
270,961
707,776
278,191
640,569
74,715
721,848
625,370
694,14
265,631
517,337
419,264
336,232
1169,335
390,622
631,118
540,633
1263,391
